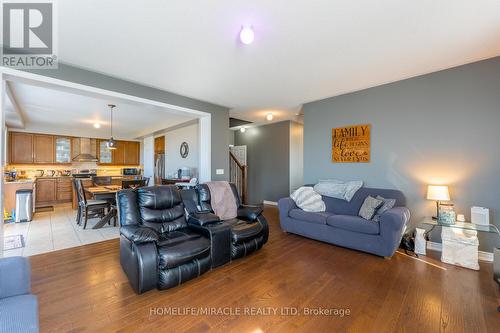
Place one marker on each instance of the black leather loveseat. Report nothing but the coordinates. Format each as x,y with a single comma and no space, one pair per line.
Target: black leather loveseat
230,239
157,247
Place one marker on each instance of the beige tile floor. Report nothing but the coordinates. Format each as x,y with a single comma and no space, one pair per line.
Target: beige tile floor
56,230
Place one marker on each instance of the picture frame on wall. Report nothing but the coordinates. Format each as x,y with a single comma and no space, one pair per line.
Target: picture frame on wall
351,144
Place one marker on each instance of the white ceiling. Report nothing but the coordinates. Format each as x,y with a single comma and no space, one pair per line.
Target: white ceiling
303,51
47,110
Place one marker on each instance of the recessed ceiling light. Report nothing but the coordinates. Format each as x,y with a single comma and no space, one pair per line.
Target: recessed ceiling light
97,125
247,35
269,116
243,129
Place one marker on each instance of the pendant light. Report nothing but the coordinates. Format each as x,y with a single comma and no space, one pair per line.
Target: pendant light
111,143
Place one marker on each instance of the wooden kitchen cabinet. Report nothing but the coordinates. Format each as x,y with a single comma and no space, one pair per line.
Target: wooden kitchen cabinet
104,155
64,189
43,149
63,149
126,153
21,148
160,145
46,190
119,153
53,190
31,148
9,195
131,154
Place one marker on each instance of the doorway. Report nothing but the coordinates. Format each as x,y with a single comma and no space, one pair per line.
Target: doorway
10,75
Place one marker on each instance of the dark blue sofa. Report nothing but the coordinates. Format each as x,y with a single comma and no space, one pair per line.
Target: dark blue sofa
341,225
18,307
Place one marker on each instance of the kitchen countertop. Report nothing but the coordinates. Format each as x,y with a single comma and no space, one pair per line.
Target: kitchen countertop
50,177
21,181
32,180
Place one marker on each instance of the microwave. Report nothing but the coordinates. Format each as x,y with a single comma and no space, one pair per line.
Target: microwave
131,171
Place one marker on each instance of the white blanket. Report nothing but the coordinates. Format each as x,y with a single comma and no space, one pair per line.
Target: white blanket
338,189
308,200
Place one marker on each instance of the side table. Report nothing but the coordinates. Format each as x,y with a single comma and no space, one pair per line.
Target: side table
491,228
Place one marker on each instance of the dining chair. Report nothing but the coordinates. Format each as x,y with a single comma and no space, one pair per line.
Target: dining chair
101,180
86,207
145,181
132,183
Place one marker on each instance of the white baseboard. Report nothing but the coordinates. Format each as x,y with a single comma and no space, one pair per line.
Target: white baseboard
272,203
483,256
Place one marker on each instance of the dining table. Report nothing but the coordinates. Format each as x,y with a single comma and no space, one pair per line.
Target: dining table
108,193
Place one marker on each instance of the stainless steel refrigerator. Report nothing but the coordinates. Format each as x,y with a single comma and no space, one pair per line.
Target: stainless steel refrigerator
159,168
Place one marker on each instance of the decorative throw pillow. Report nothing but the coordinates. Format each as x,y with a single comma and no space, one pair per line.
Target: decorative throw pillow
369,207
388,204
308,200
338,189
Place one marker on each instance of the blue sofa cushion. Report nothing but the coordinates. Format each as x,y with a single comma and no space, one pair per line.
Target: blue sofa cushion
312,217
19,314
354,224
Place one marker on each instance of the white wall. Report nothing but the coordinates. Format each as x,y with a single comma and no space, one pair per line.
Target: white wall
148,158
173,140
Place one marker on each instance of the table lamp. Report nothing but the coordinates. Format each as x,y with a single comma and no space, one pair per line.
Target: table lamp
438,193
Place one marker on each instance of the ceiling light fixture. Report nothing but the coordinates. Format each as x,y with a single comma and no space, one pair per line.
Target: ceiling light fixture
269,116
247,35
111,143
243,129
97,125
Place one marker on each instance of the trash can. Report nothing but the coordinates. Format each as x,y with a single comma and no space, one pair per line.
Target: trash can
24,205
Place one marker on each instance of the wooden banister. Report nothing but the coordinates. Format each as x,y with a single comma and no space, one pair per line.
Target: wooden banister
238,176
236,160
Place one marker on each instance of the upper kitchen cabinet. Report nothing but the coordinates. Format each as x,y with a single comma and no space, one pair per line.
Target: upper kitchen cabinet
31,148
21,148
132,153
160,145
126,153
43,149
104,155
119,153
63,149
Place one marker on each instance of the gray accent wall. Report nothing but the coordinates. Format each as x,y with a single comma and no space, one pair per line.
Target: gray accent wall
439,128
268,149
219,119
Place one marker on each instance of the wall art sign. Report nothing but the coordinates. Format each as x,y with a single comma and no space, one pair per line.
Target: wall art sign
351,144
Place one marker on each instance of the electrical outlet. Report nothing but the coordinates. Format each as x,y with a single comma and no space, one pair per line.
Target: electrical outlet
219,171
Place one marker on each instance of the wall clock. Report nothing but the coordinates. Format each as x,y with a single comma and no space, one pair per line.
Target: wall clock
184,150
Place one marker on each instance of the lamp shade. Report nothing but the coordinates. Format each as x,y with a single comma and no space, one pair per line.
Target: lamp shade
438,192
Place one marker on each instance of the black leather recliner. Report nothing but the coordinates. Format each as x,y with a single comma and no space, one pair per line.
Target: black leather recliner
247,233
157,247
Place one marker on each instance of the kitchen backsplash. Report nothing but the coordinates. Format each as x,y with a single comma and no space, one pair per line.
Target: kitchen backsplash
29,170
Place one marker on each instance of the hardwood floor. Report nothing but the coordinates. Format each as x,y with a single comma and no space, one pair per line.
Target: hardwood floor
83,289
